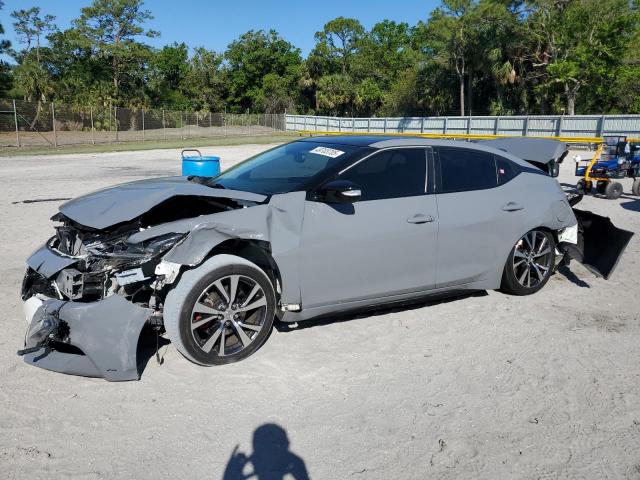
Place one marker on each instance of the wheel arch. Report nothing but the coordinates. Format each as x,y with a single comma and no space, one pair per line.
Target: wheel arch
255,251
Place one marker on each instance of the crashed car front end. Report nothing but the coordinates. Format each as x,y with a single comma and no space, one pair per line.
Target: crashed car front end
90,289
88,294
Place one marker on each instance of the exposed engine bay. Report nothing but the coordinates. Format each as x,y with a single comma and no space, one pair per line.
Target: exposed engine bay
104,261
85,280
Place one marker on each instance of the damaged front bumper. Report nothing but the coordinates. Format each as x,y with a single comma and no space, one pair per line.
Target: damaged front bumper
90,338
95,339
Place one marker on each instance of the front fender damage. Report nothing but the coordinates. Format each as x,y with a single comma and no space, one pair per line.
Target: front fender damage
278,223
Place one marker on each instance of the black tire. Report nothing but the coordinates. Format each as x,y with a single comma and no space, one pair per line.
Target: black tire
527,261
233,328
601,187
635,189
583,187
613,190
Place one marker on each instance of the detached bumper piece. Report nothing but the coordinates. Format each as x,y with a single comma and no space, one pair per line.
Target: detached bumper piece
96,339
600,243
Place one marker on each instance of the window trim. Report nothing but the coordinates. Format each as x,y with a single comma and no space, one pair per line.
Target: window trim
428,172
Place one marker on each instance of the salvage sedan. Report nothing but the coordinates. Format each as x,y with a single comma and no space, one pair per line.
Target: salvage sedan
313,227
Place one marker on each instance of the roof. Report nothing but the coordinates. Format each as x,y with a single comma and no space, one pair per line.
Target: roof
388,141
529,149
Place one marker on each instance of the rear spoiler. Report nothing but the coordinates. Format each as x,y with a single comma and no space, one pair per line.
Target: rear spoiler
544,153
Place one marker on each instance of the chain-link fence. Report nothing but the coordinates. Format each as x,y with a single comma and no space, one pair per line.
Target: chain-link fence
25,123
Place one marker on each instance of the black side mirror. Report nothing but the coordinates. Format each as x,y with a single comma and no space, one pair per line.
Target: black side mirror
339,191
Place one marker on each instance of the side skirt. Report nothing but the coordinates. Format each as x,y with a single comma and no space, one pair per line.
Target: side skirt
384,302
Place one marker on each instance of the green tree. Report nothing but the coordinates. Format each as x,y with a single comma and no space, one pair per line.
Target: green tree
338,41
31,76
580,43
450,37
110,28
206,80
384,53
5,46
31,28
253,56
336,94
168,69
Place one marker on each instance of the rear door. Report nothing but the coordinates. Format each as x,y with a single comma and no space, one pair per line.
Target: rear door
481,213
382,245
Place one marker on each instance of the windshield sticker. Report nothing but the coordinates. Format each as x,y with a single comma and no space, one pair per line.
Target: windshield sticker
327,152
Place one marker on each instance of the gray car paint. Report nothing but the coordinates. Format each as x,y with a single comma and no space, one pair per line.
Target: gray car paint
541,150
122,203
317,260
106,331
279,222
368,249
46,263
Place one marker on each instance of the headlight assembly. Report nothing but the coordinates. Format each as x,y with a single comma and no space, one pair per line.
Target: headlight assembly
120,254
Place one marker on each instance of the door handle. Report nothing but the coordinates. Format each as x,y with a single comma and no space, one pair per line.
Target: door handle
512,207
420,218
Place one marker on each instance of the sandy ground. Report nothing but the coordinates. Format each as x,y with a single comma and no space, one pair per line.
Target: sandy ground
488,386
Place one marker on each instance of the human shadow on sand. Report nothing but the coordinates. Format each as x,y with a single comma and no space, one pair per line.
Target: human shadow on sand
271,458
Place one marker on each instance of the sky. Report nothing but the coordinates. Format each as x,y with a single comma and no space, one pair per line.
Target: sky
214,24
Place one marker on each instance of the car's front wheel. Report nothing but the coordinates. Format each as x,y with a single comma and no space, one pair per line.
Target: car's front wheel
530,263
220,312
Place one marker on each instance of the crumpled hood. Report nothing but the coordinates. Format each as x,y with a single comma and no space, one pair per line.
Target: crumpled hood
125,202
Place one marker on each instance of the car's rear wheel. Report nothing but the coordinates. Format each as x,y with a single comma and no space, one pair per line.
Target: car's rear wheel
220,312
530,263
635,189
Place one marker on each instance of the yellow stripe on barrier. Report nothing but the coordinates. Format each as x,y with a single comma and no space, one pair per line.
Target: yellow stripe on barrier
465,136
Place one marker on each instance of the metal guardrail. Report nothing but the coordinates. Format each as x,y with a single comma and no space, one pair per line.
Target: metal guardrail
571,129
462,136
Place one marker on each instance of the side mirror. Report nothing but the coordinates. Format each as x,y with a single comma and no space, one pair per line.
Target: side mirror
339,191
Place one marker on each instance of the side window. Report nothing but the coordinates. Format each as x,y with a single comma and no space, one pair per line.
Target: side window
390,174
506,170
463,169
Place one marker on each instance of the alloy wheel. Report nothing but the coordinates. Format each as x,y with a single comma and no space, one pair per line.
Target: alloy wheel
228,315
532,258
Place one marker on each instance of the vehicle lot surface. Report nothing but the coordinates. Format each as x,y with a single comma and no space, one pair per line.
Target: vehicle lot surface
487,386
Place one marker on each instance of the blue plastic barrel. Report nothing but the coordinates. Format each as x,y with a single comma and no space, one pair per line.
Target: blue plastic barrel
199,165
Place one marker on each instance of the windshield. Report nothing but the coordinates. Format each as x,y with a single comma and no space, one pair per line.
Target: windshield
284,169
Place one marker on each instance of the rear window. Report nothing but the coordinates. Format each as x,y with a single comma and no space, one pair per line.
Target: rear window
463,169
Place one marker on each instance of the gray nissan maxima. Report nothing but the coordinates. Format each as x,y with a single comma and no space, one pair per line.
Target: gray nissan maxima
317,226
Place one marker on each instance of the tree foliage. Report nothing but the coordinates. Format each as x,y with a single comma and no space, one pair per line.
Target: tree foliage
466,57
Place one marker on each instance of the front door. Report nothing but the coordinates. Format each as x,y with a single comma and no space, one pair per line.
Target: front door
382,245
